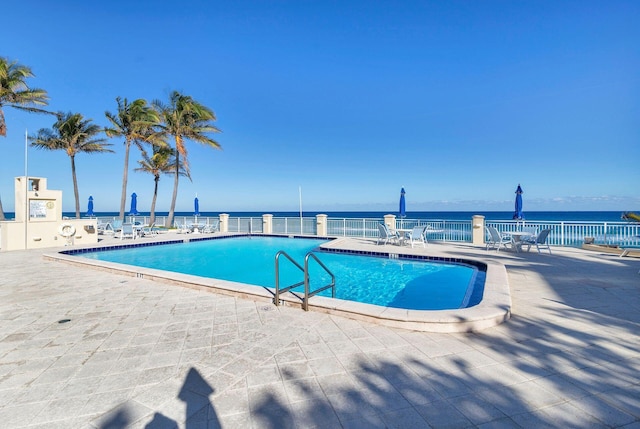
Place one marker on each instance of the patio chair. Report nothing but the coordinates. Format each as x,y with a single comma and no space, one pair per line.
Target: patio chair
385,235
540,241
117,225
210,228
497,240
149,229
127,231
105,228
183,228
418,235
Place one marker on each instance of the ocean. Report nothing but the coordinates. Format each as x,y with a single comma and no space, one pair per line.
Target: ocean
594,216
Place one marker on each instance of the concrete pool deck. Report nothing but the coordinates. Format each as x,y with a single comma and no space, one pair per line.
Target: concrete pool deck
137,353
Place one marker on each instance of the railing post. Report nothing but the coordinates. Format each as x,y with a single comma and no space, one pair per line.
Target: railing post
562,233
477,230
321,225
267,223
224,222
390,221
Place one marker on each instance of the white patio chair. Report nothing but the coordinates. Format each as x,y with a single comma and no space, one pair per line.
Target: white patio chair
418,235
183,228
540,241
210,228
127,231
117,226
149,230
105,228
497,240
385,235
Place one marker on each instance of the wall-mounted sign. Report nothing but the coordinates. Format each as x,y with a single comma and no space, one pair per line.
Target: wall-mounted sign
37,209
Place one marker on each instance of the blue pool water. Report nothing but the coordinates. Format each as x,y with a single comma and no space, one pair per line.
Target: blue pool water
387,282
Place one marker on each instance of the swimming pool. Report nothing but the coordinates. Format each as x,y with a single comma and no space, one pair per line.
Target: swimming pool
396,283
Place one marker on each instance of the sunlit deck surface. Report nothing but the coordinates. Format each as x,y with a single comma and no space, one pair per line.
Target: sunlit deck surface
136,352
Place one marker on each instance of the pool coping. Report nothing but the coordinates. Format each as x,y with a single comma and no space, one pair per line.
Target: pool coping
493,309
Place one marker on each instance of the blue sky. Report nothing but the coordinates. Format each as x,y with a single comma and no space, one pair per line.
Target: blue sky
457,101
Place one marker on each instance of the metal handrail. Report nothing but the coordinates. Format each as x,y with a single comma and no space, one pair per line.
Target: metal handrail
276,298
307,294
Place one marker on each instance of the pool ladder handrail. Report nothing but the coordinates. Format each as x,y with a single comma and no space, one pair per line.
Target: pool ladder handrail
307,293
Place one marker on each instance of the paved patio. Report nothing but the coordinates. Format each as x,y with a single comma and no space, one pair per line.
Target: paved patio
135,353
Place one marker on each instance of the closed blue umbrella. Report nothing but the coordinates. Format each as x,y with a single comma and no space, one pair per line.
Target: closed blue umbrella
134,203
518,213
196,209
90,207
403,206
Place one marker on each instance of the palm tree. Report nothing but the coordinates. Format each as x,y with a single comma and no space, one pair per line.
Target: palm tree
73,134
134,122
161,162
185,119
14,92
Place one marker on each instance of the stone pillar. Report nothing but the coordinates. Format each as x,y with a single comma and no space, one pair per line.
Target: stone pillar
224,222
321,225
477,228
390,221
267,224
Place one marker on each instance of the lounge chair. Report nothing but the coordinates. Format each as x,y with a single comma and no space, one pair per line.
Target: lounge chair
418,235
127,231
149,229
497,240
385,235
540,241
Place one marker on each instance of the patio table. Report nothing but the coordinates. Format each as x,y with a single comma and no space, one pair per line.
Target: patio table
516,238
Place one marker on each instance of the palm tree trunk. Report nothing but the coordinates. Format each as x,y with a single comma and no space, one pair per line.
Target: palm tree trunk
125,178
1,211
3,125
175,190
152,217
75,186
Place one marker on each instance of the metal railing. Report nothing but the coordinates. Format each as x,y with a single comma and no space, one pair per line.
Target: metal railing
307,293
441,229
346,227
574,234
279,290
306,282
294,225
563,233
251,225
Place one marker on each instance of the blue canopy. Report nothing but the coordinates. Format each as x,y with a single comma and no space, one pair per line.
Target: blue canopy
90,207
403,205
196,207
134,203
518,212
